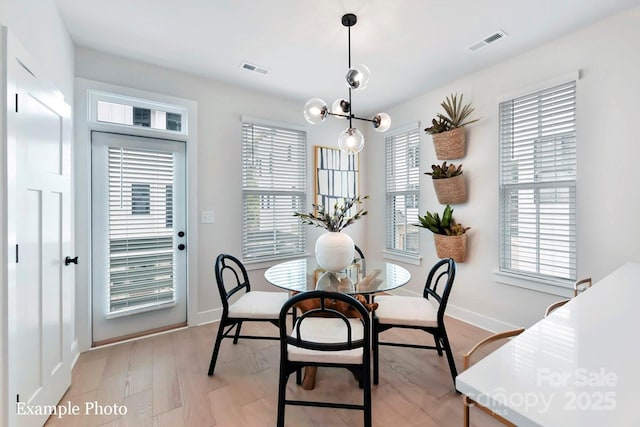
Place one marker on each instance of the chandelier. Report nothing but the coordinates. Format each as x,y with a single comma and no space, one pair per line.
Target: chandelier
357,78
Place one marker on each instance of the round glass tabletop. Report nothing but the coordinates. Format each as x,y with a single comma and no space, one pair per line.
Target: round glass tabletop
364,276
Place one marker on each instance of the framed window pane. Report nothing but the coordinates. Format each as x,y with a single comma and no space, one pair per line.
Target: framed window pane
402,175
274,177
537,183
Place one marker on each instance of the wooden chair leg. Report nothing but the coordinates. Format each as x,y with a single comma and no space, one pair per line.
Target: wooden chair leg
436,339
282,390
216,349
235,338
375,348
452,363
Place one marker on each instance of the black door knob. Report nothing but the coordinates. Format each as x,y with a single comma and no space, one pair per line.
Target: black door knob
181,247
69,260
180,233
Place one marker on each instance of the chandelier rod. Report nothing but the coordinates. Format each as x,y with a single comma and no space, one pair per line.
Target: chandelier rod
348,68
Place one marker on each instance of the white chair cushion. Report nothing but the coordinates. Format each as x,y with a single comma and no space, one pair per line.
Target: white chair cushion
412,311
327,330
259,305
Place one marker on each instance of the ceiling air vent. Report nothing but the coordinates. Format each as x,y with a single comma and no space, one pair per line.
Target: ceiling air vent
487,40
255,68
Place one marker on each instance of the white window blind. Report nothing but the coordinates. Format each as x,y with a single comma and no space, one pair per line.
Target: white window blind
274,179
140,243
402,191
538,183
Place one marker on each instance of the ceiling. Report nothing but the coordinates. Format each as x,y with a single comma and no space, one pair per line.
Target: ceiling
410,46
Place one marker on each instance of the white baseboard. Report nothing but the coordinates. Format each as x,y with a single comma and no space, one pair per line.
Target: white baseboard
480,320
208,316
476,319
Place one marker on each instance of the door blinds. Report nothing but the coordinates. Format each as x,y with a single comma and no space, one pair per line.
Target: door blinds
140,214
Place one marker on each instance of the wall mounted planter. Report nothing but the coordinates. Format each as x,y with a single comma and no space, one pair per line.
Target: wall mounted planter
451,191
451,246
450,145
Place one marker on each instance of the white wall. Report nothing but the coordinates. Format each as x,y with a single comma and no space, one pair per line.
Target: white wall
220,107
38,27
608,172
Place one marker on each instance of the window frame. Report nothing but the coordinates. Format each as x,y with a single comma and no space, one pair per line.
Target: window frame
268,197
565,181
410,132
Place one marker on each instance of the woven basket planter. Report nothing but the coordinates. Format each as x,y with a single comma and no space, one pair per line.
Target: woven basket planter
451,191
450,145
451,246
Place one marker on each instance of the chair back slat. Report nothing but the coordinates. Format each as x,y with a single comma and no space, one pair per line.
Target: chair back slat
443,272
324,311
231,277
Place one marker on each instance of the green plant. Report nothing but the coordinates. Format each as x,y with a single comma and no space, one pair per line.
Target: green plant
336,221
454,117
445,171
445,225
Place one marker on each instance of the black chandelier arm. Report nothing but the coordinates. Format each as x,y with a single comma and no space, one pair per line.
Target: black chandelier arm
351,116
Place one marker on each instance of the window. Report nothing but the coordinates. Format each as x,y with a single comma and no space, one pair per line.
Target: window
538,184
274,178
130,114
403,191
140,199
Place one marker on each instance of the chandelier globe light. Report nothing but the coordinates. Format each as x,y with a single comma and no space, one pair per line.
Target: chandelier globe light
317,110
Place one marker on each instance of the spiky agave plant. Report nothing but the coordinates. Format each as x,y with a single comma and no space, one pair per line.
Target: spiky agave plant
454,117
456,113
445,225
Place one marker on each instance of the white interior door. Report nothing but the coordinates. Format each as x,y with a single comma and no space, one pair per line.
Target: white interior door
138,235
41,291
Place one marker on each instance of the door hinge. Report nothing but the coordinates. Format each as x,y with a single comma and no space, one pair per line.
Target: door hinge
17,251
16,102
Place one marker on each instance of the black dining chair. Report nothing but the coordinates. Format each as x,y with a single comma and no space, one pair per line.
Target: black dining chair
325,336
425,313
241,304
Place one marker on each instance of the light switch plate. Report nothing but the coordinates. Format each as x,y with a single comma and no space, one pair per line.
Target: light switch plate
207,217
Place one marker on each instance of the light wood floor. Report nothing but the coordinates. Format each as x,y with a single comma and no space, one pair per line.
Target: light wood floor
162,381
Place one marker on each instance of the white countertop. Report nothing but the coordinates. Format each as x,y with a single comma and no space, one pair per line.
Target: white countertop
578,367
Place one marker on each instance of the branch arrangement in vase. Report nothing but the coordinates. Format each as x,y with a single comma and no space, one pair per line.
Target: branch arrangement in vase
336,220
445,225
454,117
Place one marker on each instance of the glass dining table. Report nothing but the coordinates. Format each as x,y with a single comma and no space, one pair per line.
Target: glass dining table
363,276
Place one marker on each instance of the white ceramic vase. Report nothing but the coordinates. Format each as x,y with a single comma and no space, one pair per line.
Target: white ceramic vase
334,251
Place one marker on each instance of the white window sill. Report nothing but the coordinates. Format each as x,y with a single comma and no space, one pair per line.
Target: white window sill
559,287
406,258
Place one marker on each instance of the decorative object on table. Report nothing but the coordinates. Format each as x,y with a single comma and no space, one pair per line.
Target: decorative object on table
449,183
357,78
447,130
450,237
334,250
336,176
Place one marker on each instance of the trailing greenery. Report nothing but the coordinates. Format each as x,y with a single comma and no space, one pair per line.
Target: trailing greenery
454,117
445,225
445,171
336,221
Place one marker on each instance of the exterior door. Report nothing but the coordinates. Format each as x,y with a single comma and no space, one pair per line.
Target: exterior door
138,235
41,299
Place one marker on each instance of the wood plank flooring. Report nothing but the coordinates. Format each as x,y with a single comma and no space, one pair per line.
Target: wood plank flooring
162,381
